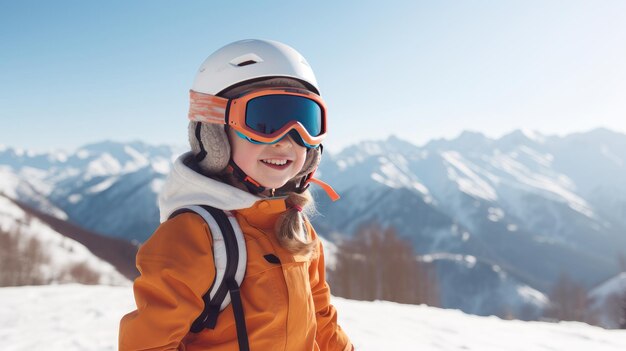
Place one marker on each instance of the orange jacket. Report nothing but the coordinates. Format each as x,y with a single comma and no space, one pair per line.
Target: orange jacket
287,305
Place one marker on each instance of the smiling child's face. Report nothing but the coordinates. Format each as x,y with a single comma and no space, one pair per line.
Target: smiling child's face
270,165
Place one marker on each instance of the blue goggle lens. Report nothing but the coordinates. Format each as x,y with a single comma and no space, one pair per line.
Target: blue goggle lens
269,113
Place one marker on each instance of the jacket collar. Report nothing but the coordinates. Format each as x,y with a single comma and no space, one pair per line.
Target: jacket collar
185,186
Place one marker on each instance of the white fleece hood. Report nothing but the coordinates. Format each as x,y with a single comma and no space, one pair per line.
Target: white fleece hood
185,187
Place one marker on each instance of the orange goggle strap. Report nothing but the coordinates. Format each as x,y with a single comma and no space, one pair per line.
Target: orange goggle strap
207,108
306,182
327,188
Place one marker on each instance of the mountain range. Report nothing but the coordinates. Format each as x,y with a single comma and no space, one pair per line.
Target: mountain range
501,219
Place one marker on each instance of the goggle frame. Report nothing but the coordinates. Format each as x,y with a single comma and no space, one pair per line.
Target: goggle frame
232,112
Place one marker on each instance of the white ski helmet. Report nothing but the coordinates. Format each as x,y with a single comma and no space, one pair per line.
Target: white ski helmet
251,59
243,65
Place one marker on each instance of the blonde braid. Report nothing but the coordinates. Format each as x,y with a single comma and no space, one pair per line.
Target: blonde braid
290,227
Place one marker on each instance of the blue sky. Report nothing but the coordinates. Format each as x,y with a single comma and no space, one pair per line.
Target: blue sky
74,72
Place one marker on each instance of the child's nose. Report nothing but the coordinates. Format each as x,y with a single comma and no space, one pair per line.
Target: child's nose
285,141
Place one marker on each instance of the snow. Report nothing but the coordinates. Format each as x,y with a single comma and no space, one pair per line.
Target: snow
530,294
330,253
82,154
102,186
102,166
606,152
465,236
157,184
36,178
606,299
468,261
467,180
9,212
533,135
15,186
542,159
396,175
359,153
342,164
85,318
62,251
57,156
138,159
9,182
471,261
372,148
75,198
161,166
615,285
495,214
554,186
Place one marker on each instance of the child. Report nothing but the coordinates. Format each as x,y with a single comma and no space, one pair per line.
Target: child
257,123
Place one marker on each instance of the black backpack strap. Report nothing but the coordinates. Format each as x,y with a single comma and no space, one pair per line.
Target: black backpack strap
228,285
240,319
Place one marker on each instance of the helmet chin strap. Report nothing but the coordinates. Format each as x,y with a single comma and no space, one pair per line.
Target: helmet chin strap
252,185
202,154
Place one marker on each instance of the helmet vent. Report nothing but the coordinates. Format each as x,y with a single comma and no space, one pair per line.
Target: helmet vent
246,60
245,63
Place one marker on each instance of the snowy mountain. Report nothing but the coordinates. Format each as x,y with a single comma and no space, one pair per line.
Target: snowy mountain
107,187
86,318
525,207
533,206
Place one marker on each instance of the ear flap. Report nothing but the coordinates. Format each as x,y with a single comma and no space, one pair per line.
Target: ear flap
214,141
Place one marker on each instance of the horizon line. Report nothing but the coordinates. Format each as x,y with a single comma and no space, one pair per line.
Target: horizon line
528,132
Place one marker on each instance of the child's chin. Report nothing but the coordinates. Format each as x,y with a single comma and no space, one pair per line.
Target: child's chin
275,184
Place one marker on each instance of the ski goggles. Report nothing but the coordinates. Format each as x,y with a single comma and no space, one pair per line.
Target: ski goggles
265,116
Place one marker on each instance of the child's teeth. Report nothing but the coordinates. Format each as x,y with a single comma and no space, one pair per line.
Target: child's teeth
276,162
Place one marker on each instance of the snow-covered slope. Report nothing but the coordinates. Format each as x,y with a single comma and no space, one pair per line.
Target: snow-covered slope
55,257
608,301
85,318
28,186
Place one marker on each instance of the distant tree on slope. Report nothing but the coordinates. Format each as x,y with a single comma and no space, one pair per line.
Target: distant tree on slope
622,318
23,261
376,264
20,260
622,321
568,301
